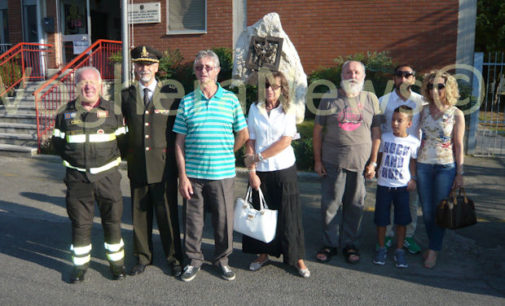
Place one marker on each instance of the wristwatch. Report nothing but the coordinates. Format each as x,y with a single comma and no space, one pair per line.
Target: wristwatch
260,157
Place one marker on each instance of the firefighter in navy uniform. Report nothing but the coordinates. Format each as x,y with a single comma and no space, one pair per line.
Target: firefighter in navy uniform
87,135
149,109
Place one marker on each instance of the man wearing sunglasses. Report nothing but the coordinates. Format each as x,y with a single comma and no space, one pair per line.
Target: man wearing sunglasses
404,78
210,127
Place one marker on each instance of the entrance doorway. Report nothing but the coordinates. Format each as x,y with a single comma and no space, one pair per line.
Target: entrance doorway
74,28
105,20
30,21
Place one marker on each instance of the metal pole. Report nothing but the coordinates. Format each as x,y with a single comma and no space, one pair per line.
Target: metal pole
124,37
88,18
471,146
40,38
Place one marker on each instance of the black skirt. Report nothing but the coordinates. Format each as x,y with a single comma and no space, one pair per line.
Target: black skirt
280,189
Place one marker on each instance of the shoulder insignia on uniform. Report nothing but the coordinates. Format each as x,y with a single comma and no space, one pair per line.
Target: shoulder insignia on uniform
70,115
102,114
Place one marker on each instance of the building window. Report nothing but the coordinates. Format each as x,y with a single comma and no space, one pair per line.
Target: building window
186,16
4,32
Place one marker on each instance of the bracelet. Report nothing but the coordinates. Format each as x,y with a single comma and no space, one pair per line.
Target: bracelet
374,164
413,177
459,170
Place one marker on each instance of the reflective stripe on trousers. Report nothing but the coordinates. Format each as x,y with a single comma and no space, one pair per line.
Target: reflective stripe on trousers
81,255
114,252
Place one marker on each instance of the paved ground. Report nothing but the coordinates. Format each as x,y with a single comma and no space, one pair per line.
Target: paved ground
35,260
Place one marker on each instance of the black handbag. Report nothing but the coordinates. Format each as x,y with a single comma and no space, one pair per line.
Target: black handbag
456,211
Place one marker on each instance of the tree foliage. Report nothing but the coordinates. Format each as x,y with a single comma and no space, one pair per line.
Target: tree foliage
490,26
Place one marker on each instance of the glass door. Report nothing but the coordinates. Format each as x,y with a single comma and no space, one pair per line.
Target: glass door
74,28
30,21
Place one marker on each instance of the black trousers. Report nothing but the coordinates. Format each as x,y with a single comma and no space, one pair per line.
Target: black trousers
81,196
280,189
158,199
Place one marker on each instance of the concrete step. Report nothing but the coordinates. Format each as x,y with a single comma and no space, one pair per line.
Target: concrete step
19,139
13,108
51,72
18,117
26,109
16,112
19,98
15,150
30,86
18,128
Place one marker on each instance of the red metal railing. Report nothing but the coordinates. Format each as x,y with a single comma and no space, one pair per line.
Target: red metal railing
22,62
61,88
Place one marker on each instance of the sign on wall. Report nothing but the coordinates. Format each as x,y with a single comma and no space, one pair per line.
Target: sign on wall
144,13
80,44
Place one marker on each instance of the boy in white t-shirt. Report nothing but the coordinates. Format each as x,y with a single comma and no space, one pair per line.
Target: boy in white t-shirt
396,177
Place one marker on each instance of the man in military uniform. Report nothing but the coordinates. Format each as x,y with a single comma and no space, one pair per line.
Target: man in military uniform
150,112
87,135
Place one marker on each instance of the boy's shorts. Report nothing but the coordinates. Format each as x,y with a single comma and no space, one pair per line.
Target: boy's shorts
400,198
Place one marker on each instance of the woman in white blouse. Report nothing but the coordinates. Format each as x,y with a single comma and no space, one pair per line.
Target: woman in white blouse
271,163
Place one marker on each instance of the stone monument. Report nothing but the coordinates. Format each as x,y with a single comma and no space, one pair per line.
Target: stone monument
265,46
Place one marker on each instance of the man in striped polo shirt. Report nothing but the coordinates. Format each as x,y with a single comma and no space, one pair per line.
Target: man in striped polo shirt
205,144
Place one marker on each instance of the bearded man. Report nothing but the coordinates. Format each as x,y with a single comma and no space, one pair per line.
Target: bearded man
342,145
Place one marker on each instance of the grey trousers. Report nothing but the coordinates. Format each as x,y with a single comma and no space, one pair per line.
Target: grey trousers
342,202
215,196
411,228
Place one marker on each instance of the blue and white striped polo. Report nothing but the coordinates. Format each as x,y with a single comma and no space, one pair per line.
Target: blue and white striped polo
209,125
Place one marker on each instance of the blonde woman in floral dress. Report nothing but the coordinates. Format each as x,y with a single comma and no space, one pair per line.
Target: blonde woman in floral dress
440,157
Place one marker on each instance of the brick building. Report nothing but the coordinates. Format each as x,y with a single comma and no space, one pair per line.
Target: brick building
425,33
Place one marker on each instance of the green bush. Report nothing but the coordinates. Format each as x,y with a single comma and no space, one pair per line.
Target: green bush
170,62
10,73
116,57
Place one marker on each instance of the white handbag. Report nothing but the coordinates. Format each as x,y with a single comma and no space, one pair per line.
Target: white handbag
260,225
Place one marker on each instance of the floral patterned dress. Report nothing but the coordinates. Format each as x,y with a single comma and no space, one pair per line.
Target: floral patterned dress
436,141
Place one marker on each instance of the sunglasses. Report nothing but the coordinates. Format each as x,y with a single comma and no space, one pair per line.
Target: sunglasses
274,87
207,68
406,74
440,86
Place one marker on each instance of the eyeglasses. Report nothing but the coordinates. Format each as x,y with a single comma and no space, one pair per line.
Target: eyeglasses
406,74
207,68
440,86
274,87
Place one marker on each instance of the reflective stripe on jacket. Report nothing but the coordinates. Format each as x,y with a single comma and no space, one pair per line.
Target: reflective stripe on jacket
89,141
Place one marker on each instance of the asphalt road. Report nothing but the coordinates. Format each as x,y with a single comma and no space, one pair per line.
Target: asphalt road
35,256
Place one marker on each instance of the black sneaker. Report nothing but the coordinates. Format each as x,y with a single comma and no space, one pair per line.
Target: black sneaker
118,272
77,276
227,273
189,273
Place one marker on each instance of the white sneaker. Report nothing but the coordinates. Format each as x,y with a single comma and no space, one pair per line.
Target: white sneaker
189,273
256,265
227,273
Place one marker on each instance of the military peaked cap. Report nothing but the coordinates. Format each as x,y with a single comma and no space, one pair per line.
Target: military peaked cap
145,54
